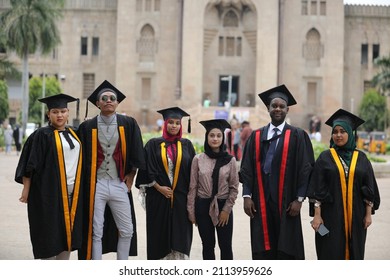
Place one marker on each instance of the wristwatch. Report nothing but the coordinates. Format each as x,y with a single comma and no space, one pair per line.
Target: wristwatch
300,199
317,204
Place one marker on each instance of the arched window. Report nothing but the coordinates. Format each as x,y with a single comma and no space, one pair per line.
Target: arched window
313,49
146,45
230,19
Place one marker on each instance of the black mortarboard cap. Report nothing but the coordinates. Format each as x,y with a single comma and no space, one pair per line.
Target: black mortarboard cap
105,86
280,92
57,101
343,115
175,113
221,124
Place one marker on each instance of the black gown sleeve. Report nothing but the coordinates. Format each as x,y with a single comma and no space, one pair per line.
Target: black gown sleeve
247,171
24,156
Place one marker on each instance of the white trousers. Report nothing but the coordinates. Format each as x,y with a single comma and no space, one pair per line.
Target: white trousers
114,193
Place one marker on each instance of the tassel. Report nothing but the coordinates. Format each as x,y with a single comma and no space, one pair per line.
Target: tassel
189,125
78,108
86,111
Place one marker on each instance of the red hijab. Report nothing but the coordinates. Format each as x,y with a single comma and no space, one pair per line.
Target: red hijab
171,140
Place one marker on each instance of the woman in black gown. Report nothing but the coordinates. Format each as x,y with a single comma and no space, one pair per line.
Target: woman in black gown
50,170
343,192
166,183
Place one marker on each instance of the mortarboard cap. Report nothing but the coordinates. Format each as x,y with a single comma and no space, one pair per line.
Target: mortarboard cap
103,87
221,124
57,101
277,92
343,115
175,113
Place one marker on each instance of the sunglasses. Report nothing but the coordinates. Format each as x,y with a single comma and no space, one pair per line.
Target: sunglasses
106,97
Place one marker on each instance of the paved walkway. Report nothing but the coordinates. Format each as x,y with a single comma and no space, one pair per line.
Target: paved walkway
15,241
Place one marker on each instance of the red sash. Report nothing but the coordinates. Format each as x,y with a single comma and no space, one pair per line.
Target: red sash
262,203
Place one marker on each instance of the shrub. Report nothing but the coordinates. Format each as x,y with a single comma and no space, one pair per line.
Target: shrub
318,148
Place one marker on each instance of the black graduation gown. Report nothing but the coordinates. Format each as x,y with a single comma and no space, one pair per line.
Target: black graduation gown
325,186
167,224
131,147
54,226
293,160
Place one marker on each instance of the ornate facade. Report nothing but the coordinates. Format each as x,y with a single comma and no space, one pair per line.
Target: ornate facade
163,53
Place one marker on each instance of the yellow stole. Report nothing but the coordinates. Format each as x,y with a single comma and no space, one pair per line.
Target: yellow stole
347,194
69,214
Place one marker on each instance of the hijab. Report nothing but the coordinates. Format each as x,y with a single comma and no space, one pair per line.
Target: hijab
171,140
345,152
221,156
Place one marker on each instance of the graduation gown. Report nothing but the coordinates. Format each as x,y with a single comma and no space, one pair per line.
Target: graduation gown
293,161
326,187
131,155
54,226
167,224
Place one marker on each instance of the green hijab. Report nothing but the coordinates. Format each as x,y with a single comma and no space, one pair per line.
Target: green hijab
344,151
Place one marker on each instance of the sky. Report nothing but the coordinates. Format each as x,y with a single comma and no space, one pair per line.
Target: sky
368,2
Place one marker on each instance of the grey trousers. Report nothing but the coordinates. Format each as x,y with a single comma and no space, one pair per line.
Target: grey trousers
64,256
114,193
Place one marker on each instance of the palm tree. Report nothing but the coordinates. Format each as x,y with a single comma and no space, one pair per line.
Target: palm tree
7,68
30,26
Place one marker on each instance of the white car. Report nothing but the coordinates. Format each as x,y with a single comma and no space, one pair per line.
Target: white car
30,128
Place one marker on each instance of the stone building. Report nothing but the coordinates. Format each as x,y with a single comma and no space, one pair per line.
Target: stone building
164,53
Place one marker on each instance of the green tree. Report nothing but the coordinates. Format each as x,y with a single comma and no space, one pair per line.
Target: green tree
382,82
52,87
382,79
373,109
30,26
4,106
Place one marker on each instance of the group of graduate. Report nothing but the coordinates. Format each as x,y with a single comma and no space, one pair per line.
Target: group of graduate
78,185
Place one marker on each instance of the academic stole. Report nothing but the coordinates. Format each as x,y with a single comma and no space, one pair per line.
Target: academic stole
69,214
164,157
262,203
347,194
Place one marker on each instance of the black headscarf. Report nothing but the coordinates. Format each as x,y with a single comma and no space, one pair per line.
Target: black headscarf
222,157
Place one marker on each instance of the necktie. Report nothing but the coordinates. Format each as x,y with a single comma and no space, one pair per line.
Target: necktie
67,138
270,153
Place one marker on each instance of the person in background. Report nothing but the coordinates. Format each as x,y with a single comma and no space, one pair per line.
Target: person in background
112,154
165,181
213,191
233,139
8,138
315,128
343,192
275,169
246,131
18,136
50,170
